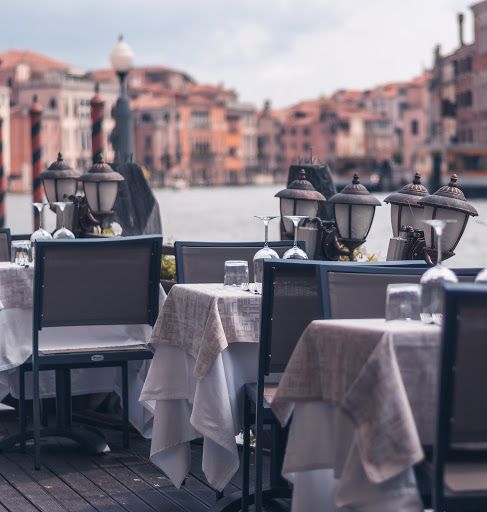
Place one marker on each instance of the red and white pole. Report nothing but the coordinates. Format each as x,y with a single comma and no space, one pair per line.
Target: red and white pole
35,114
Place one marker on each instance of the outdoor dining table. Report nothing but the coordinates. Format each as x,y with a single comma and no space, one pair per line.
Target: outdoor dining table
16,299
205,345
362,395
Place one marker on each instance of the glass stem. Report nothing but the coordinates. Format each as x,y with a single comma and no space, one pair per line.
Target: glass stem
439,257
266,224
62,217
296,235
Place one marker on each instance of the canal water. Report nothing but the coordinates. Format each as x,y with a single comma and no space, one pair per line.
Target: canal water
227,214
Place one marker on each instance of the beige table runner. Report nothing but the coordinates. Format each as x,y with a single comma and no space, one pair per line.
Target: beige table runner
372,369
203,319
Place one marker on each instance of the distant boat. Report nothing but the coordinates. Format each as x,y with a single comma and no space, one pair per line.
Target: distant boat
180,184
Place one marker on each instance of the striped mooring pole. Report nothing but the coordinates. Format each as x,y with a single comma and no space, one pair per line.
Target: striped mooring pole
35,114
97,112
3,181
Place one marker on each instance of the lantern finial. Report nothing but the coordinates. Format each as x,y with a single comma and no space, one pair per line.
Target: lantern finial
356,180
417,179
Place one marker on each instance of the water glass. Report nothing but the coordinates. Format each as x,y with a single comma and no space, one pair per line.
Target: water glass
236,273
21,252
403,301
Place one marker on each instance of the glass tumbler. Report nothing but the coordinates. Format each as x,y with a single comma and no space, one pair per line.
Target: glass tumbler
236,273
403,301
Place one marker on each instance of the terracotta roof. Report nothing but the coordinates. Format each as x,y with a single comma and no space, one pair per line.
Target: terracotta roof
147,101
12,58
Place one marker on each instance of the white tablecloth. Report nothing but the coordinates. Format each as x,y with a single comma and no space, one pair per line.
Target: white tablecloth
16,291
206,349
362,394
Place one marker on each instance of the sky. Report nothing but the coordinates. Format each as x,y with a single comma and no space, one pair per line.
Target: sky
282,50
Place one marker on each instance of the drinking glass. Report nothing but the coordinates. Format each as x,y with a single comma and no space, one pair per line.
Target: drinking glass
433,280
21,252
482,275
62,232
236,273
40,233
403,301
262,254
295,253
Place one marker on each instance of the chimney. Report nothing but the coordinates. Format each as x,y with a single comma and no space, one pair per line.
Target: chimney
460,28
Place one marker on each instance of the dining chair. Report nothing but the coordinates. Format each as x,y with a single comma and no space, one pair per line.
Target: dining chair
204,262
291,299
89,282
359,290
5,244
458,476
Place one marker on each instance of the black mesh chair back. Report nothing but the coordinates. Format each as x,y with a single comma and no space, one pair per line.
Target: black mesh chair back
291,300
359,291
5,243
460,453
204,262
91,283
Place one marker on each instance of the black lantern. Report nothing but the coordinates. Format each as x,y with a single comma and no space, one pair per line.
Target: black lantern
60,180
100,184
354,209
299,198
447,203
405,210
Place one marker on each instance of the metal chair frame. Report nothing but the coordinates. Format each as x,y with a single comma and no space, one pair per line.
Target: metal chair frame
63,362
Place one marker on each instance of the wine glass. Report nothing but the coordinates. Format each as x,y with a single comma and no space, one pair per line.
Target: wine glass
40,233
433,279
262,254
295,253
62,232
482,275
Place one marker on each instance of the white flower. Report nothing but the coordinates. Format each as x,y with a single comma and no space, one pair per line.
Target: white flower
116,228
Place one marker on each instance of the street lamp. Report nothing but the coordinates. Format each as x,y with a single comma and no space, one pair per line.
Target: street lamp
447,203
299,198
122,58
59,180
100,184
354,209
405,210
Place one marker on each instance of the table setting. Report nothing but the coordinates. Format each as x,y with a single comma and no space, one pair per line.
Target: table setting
206,344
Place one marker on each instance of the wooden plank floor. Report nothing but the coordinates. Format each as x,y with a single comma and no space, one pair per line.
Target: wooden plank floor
120,481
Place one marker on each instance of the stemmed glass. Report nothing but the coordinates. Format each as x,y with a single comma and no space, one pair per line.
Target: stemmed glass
40,233
262,254
62,232
433,279
482,275
295,253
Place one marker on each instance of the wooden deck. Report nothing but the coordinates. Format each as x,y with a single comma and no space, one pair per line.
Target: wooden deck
120,481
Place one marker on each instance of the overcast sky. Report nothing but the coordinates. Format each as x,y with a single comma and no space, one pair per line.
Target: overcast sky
285,50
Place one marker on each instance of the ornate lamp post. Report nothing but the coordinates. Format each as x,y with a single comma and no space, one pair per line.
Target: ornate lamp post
60,180
354,209
405,210
299,198
100,184
122,58
447,203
